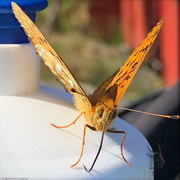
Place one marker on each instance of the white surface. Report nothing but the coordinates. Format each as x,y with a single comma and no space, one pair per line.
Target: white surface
19,69
31,148
52,95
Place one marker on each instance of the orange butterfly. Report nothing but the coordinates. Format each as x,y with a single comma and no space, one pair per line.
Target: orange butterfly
99,108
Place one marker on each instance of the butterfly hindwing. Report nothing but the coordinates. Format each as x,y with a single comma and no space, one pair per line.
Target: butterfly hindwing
124,75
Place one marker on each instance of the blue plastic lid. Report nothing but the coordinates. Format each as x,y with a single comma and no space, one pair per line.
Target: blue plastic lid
10,30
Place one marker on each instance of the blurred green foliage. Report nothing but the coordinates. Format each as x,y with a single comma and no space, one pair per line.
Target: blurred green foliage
91,57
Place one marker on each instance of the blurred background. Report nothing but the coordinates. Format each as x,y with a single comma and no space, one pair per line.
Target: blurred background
95,37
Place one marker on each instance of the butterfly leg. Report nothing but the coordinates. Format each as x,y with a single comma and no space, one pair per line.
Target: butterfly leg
150,155
83,143
68,124
121,145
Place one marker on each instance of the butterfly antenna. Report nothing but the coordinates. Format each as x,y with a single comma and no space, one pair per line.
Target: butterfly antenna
176,117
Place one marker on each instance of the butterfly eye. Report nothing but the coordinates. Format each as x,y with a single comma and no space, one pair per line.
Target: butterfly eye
113,115
99,112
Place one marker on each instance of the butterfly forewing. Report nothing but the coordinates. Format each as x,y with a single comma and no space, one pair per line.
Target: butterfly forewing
49,56
121,79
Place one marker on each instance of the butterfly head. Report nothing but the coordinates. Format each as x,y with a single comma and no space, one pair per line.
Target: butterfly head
100,115
104,116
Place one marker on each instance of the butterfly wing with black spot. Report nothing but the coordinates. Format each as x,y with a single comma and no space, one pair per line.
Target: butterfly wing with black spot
115,86
49,56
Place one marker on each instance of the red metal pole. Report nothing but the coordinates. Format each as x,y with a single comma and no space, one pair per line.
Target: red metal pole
133,21
126,20
169,45
139,22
